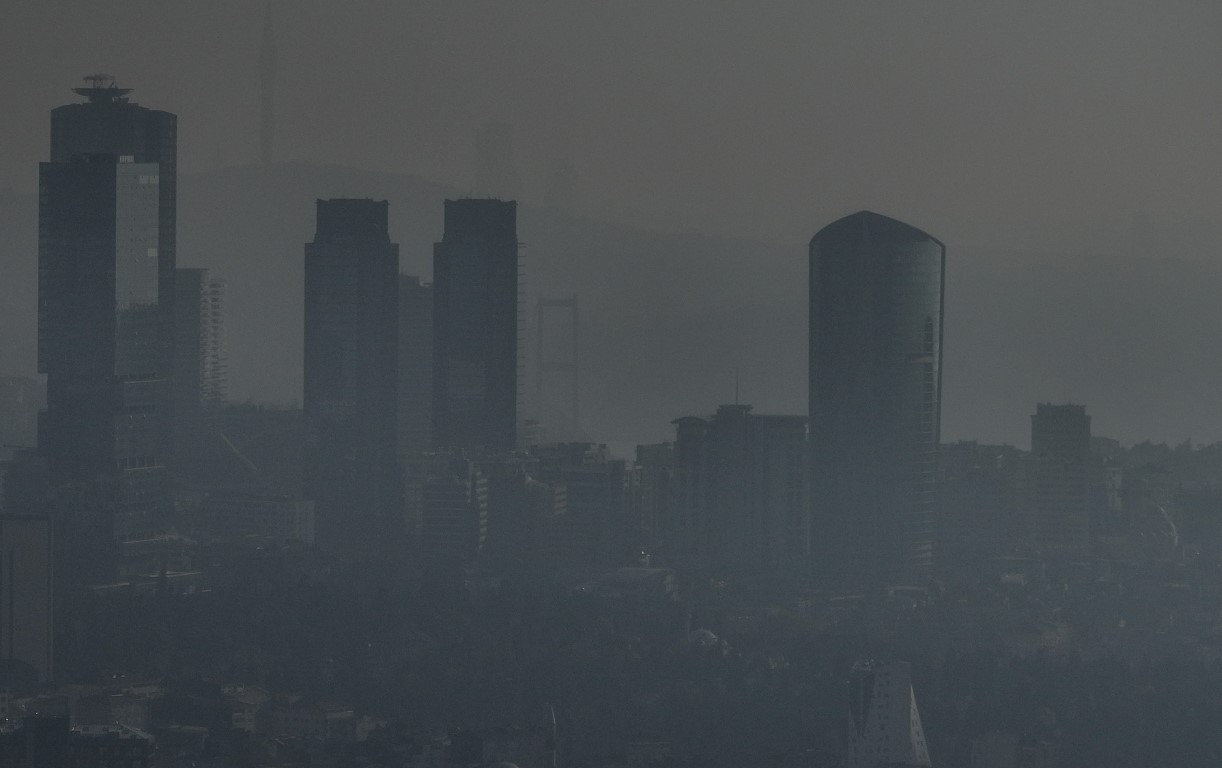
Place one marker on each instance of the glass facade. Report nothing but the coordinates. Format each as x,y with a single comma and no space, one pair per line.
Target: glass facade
101,335
107,202
875,378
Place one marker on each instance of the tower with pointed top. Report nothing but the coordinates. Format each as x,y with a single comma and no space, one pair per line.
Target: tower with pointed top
884,724
267,89
875,398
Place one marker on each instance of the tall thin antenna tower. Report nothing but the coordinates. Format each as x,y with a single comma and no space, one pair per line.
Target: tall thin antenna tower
267,88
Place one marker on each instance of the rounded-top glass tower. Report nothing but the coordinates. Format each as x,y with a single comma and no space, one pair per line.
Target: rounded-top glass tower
875,398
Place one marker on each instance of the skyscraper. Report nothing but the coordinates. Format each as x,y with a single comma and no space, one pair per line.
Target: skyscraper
475,327
739,501
200,373
109,123
27,593
105,311
415,365
1058,508
875,380
351,359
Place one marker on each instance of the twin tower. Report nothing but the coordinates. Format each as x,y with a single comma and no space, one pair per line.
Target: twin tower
107,226
876,288
351,376
876,299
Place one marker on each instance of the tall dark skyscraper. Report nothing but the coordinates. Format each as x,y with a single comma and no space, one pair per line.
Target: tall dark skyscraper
415,365
351,361
875,397
475,327
109,123
1058,514
27,593
105,311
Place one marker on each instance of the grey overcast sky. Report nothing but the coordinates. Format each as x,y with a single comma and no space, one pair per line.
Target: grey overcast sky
1040,123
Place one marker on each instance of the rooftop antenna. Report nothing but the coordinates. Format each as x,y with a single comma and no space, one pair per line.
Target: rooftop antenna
102,89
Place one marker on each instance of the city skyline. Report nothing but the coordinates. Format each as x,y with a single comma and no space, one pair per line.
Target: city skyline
293,501
966,406
1089,362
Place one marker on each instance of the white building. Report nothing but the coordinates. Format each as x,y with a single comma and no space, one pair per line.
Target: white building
884,725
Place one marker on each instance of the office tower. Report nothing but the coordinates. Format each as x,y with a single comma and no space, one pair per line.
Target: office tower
979,496
595,528
884,725
21,400
267,89
740,492
1058,514
454,514
27,593
200,371
100,336
351,370
520,508
415,365
108,123
475,327
653,489
875,380
105,315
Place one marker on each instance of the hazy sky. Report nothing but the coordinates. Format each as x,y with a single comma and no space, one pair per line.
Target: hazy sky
1088,131
1042,122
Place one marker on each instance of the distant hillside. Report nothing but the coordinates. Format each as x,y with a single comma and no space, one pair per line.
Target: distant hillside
667,319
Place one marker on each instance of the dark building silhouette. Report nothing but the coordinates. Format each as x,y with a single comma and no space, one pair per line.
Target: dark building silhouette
1058,514
351,370
875,380
102,343
980,490
415,365
105,316
739,502
21,400
109,123
475,327
454,514
653,490
49,742
27,593
595,528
